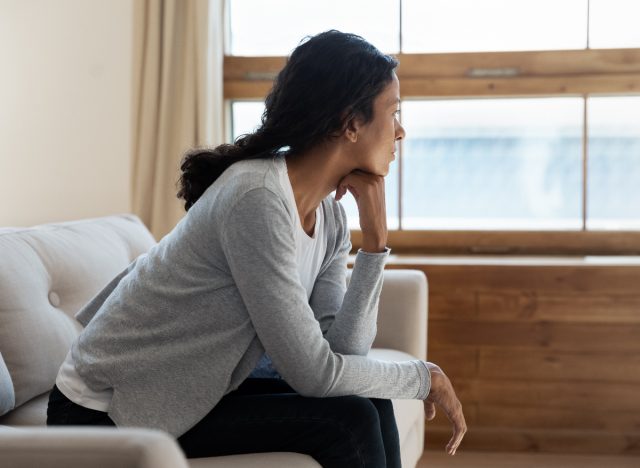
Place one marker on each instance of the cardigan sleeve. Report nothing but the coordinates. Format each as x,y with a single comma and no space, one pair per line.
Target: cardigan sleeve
89,310
257,239
348,315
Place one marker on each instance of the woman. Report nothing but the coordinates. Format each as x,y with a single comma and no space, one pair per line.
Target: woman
236,332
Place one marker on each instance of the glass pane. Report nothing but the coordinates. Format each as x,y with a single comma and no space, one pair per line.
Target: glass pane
245,118
493,25
492,164
613,198
614,23
275,27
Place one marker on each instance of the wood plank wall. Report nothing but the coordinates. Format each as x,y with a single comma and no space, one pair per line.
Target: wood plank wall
544,357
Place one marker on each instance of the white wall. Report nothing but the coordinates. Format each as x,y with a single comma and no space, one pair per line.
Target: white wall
65,109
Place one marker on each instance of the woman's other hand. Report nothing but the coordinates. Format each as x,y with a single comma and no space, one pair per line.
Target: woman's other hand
443,395
368,190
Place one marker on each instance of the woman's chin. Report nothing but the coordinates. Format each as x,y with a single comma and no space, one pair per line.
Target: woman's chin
387,169
384,173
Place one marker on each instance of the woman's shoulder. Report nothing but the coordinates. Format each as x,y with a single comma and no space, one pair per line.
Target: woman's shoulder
252,172
241,178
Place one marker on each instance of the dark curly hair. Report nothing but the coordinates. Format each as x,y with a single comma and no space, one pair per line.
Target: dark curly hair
329,79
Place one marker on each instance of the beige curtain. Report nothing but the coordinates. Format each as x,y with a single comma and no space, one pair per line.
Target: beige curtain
178,55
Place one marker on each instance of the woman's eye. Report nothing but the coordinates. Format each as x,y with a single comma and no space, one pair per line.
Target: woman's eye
397,112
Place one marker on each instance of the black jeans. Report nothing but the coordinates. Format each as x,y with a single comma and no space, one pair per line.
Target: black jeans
267,415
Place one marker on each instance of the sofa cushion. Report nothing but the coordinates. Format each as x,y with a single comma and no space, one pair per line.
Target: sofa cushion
31,413
409,417
402,309
48,272
97,447
256,460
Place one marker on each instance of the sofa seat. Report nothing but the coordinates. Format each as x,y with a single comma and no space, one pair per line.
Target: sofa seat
48,272
95,447
31,413
409,416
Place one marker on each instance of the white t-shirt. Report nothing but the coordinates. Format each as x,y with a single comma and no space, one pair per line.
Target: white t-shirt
310,250
310,253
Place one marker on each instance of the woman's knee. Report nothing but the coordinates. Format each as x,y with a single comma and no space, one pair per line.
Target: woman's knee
358,418
384,408
356,425
358,410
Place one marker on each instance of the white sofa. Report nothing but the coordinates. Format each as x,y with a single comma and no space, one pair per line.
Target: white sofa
48,272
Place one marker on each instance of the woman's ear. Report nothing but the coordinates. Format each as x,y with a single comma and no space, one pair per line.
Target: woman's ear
351,129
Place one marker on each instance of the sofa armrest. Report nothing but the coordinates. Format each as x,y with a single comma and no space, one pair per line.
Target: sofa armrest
75,447
403,312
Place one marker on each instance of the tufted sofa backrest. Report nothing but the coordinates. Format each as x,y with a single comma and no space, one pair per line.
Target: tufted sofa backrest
47,273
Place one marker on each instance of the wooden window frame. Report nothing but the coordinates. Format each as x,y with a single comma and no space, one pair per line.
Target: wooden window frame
581,73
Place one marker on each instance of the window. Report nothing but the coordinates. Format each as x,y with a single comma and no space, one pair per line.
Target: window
281,24
492,164
493,25
614,23
514,138
245,117
614,163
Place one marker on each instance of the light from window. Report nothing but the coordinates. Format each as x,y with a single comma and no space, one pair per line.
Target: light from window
614,23
433,26
492,164
614,163
245,117
275,27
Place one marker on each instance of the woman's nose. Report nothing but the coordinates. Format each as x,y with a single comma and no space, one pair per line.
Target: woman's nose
400,133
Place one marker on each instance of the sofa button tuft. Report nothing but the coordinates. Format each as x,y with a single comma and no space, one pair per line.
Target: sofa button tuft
54,299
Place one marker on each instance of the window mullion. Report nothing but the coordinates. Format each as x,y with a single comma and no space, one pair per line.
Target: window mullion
585,160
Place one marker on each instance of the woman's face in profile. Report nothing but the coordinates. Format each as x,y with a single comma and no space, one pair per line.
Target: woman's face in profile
376,145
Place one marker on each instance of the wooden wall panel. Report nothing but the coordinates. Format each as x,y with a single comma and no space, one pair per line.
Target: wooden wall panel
556,418
452,305
579,396
547,279
544,357
559,336
572,366
573,308
538,440
456,361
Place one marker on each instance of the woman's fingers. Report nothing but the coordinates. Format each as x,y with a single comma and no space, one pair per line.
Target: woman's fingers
342,189
358,181
443,394
456,417
455,441
459,430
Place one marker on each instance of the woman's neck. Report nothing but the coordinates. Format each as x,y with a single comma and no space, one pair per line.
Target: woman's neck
313,176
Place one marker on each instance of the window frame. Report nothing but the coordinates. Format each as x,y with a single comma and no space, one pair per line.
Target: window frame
581,73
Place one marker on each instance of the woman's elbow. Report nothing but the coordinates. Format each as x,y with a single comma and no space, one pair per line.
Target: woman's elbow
314,381
311,387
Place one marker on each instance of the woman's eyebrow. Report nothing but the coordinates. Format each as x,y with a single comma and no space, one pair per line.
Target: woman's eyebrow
394,101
